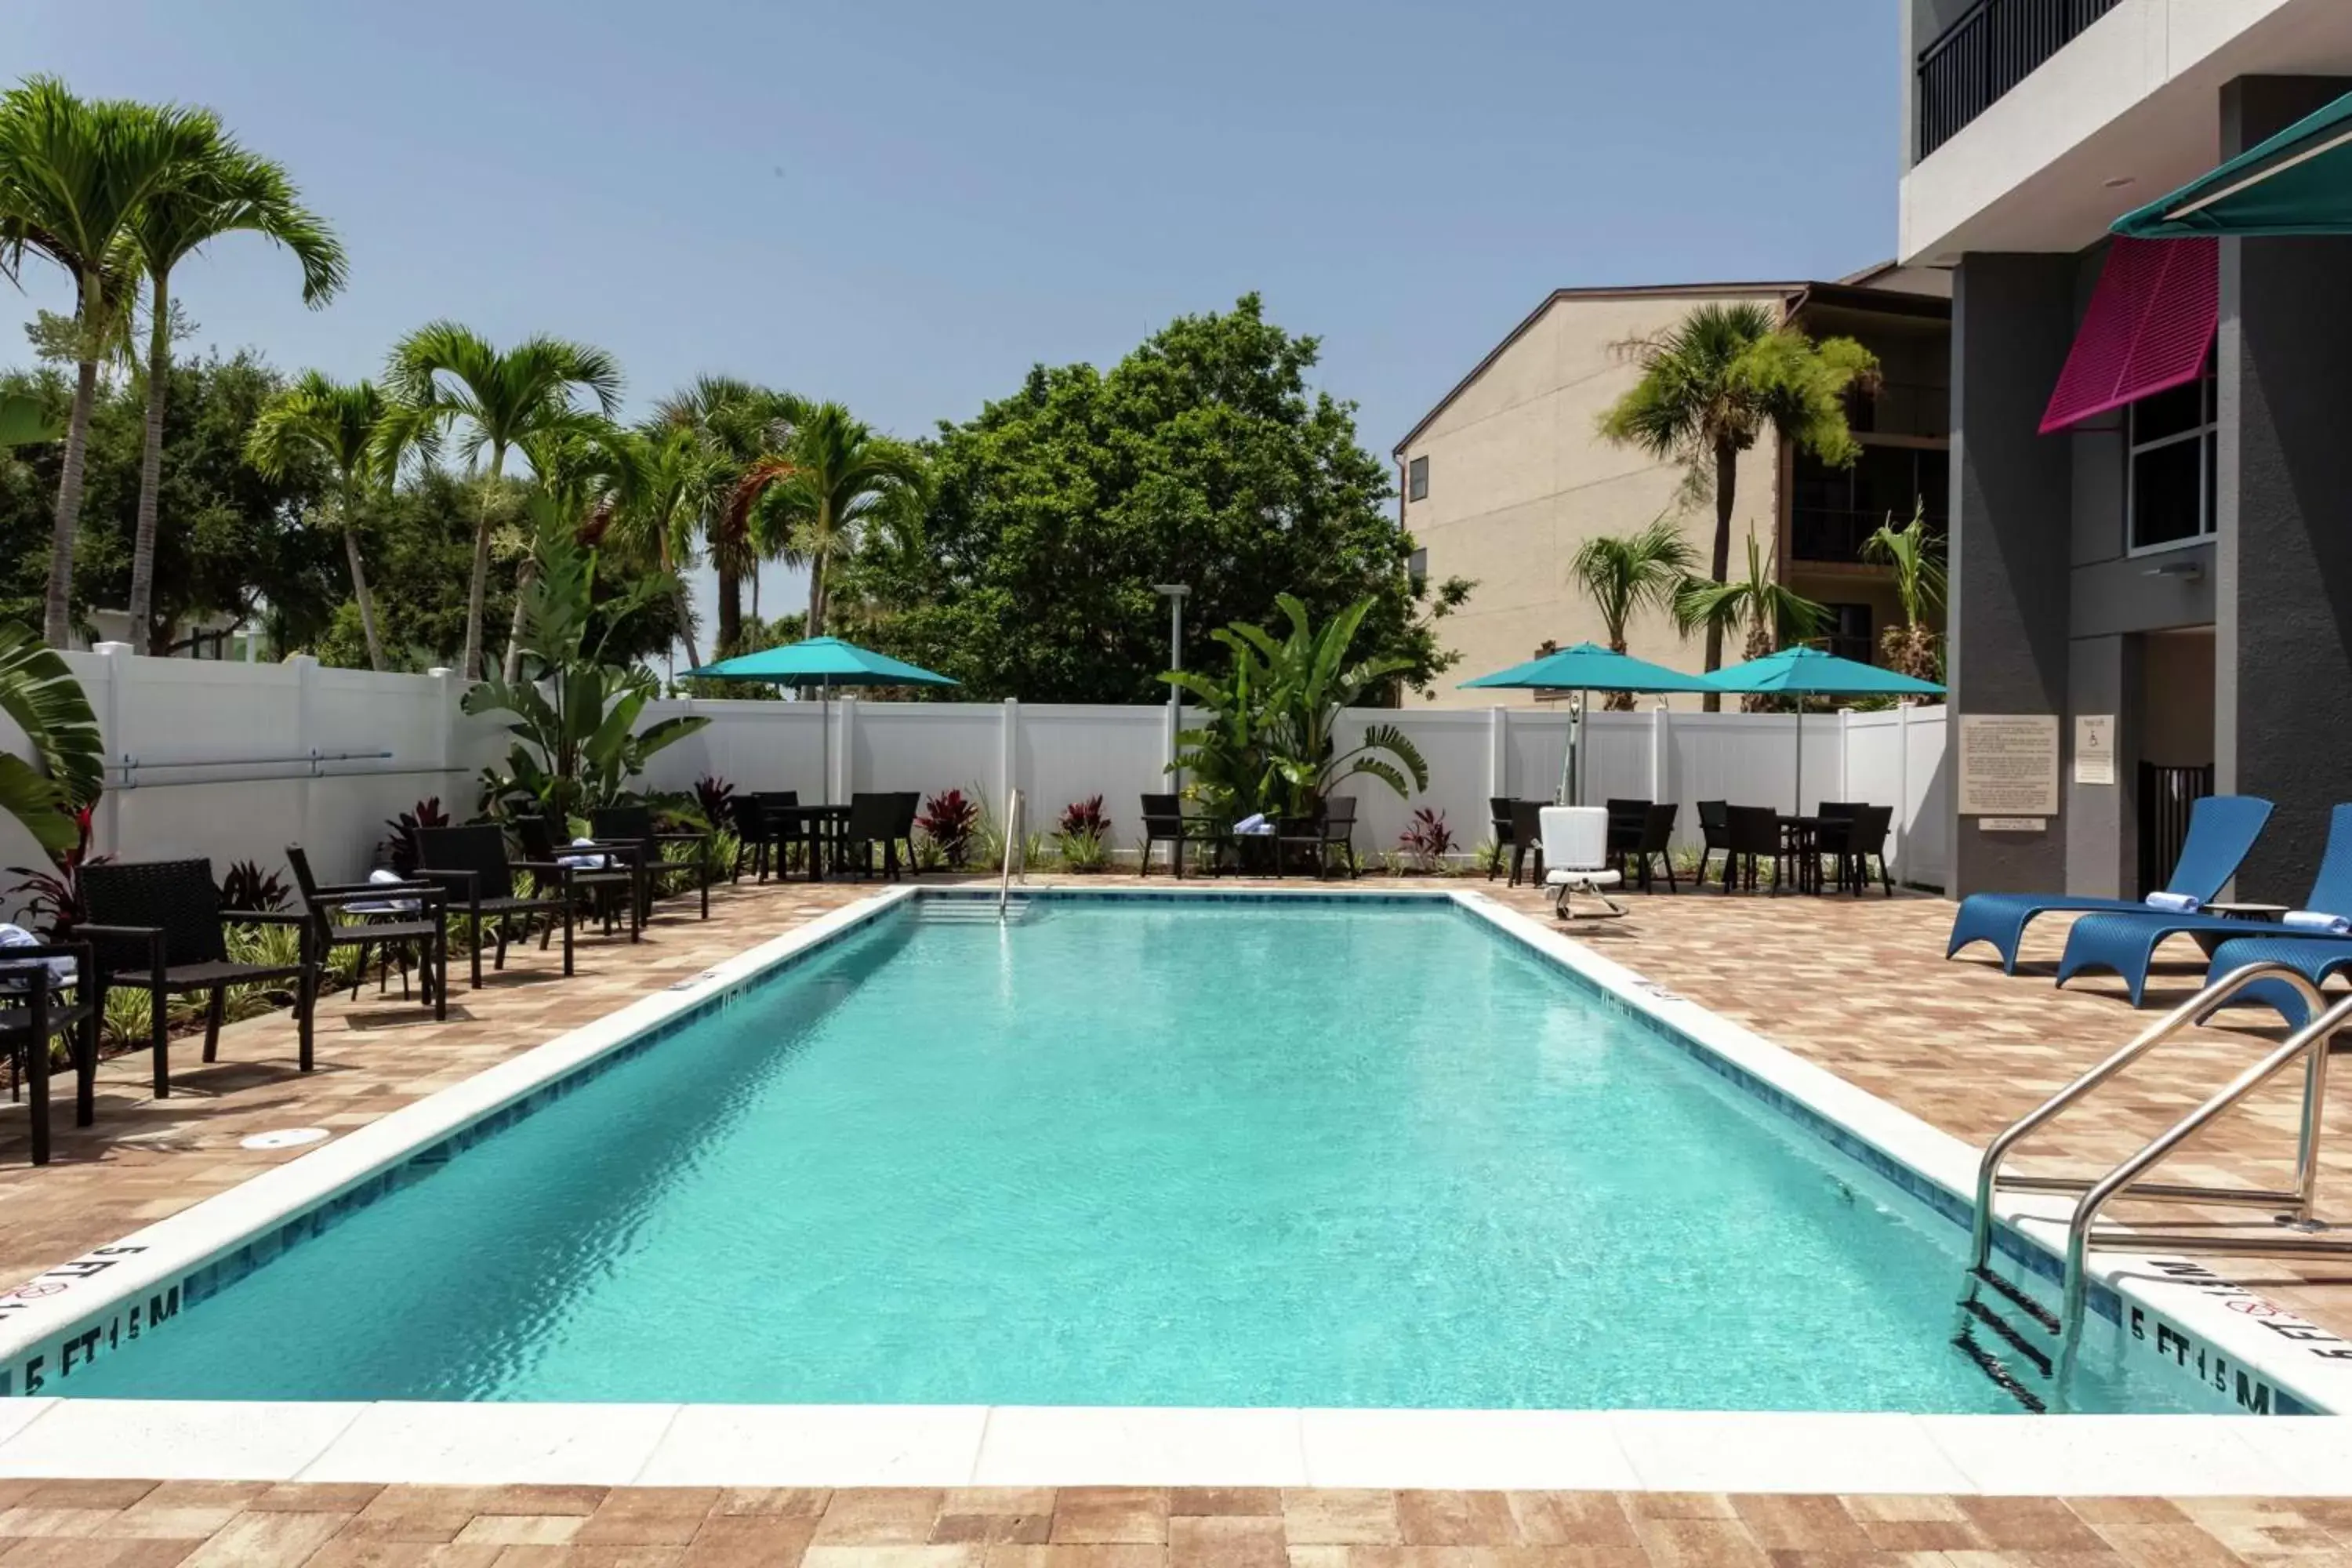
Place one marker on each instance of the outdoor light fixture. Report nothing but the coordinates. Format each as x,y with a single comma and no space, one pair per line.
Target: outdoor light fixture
2186,571
2117,182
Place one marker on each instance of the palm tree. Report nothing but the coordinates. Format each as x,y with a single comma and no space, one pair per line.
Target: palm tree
806,501
656,521
342,424
1714,382
227,191
446,373
1625,574
73,174
732,422
1773,615
1915,551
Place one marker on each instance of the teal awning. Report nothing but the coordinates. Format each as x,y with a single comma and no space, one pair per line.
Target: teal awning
1588,667
820,661
2298,182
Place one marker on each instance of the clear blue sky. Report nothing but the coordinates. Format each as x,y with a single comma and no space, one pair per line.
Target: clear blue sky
904,205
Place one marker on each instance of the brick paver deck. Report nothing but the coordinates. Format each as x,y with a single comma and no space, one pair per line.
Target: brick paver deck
1856,984
138,1524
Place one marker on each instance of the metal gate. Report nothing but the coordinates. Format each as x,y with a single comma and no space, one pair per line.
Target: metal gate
2165,796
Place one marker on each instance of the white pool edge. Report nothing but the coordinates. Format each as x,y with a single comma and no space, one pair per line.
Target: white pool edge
672,1445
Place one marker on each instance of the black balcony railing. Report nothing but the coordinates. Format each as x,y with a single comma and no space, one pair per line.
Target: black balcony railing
1833,535
1995,45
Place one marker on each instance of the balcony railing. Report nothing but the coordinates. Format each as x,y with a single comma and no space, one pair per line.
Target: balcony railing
1995,45
1833,535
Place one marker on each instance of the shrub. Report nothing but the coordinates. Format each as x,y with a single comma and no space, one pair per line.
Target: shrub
714,796
399,852
951,820
1427,839
1086,816
53,899
250,887
1489,856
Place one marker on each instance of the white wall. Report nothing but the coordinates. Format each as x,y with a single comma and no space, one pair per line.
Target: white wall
235,761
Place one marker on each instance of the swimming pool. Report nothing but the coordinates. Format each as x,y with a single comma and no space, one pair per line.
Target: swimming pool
1154,1152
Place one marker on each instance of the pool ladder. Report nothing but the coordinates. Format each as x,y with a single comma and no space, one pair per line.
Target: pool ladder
1005,909
2047,1340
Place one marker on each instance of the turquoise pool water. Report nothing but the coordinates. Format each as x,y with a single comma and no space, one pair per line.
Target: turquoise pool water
1126,1154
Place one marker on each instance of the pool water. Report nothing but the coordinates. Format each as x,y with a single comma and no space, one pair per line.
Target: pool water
1128,1153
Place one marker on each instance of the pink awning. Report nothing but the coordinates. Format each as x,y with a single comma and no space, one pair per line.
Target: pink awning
2148,328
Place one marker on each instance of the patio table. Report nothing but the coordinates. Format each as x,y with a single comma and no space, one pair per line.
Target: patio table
818,829
1801,839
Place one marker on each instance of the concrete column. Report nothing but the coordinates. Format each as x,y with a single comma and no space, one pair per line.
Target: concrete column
2013,322
2102,853
2282,559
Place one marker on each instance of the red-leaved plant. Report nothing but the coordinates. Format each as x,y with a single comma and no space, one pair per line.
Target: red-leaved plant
1086,816
1427,839
53,897
949,819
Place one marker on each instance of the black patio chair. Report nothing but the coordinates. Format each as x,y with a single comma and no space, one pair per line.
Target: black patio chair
783,830
1499,821
633,826
1751,834
1867,837
1527,838
608,890
1653,846
873,824
417,913
1338,832
1164,822
1715,835
910,806
158,926
33,1013
471,862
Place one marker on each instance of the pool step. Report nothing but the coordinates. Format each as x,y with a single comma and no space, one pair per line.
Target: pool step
974,911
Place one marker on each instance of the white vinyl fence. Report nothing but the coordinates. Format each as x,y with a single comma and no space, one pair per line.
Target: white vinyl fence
235,761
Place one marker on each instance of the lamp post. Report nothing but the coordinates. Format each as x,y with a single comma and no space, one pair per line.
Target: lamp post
1174,594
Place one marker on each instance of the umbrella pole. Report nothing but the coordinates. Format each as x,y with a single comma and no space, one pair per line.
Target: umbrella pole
1798,809
824,730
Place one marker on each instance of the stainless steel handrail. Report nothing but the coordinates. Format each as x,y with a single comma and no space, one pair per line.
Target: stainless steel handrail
2311,1041
2193,1011
1012,839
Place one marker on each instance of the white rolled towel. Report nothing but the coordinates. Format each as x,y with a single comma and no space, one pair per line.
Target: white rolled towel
2179,904
12,976
584,862
382,874
2317,920
1253,824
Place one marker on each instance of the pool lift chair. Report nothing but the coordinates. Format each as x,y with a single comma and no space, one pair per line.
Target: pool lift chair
2046,1339
1575,857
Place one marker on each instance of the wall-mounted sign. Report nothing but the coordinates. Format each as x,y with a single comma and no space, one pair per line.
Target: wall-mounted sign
2012,825
2009,764
2094,748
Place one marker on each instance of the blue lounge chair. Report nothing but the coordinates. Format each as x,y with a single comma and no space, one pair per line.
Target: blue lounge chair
2222,829
2124,943
2314,955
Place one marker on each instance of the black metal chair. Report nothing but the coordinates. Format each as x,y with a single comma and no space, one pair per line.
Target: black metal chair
1653,846
471,862
1527,838
1715,835
1867,837
159,926
418,915
633,826
1751,833
781,829
1499,821
1338,832
1164,822
608,890
873,823
32,1013
910,806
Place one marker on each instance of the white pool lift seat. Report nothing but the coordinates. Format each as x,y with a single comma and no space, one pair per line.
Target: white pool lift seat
1576,860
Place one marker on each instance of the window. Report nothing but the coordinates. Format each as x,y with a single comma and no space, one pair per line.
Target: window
1849,632
1416,482
2168,487
1832,511
1416,569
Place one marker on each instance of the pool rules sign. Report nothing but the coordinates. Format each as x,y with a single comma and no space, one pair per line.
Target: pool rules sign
2008,770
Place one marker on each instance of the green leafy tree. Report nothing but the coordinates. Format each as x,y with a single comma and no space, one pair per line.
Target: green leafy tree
1623,575
732,423
1771,615
1718,380
1271,743
1915,551
339,424
447,374
1202,457
577,743
226,190
807,502
74,172
40,695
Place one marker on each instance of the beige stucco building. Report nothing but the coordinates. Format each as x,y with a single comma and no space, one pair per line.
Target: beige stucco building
1507,477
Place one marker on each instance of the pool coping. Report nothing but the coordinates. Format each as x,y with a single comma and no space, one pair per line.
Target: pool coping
2195,1322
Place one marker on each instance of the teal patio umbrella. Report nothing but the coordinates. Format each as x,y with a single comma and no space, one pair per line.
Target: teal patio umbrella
824,663
2298,182
1803,672
1587,667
